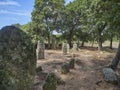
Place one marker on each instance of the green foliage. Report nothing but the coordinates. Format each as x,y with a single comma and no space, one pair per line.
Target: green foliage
71,22
45,15
85,20
59,37
112,16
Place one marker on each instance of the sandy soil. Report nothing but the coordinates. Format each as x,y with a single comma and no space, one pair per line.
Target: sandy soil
87,72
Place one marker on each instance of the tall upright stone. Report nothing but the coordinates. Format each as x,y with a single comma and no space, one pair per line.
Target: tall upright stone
78,43
17,60
64,48
40,49
50,82
68,48
72,63
75,48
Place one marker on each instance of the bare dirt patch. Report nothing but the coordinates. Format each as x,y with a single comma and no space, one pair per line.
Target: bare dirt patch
87,72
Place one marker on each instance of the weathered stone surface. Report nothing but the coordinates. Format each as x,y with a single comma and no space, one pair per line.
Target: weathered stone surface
50,82
75,48
40,49
110,76
17,60
68,48
78,43
72,63
65,48
65,68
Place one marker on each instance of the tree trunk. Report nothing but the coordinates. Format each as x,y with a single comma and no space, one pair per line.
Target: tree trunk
99,45
70,42
111,40
100,29
82,44
116,59
49,46
70,38
99,40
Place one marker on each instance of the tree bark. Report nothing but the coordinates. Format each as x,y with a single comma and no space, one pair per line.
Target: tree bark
49,46
70,38
100,29
70,41
111,40
99,45
82,44
116,59
99,40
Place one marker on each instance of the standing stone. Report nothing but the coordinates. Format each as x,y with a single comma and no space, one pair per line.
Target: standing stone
68,48
110,76
74,49
65,68
78,43
65,48
72,63
40,49
50,82
17,60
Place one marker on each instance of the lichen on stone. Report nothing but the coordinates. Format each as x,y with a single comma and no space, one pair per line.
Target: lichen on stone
65,68
72,63
50,82
17,59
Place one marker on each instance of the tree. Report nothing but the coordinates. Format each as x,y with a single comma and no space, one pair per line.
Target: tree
45,16
97,20
71,22
114,21
110,34
77,20
28,28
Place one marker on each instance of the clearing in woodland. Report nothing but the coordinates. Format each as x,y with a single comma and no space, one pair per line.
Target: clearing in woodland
86,75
